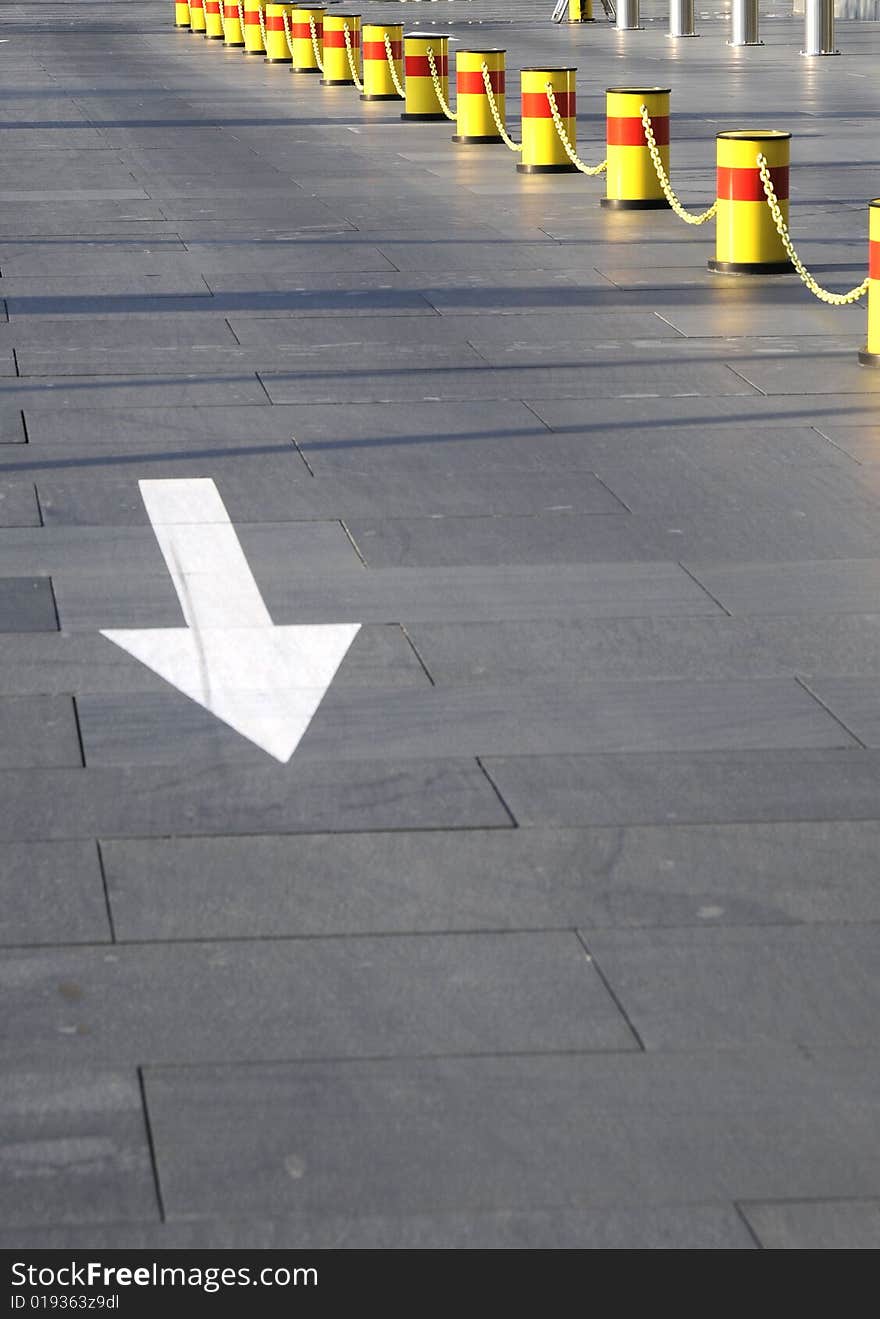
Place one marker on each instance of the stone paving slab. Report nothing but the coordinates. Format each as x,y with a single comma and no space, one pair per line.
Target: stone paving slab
633,877
52,893
706,1227
75,1148
409,1136
412,995
816,1225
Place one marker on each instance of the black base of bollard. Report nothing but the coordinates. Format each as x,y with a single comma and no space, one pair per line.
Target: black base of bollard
278,61
637,204
546,169
479,141
425,118
296,69
868,359
751,267
380,96
336,82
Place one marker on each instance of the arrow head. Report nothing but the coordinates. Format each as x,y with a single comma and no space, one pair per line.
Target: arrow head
265,682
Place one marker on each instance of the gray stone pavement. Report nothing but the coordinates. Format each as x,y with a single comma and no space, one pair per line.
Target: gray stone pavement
560,926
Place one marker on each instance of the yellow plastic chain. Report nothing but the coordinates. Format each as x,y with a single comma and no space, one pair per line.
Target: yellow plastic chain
494,111
573,156
241,18
663,177
262,23
348,50
315,47
833,299
438,86
221,9
287,37
389,52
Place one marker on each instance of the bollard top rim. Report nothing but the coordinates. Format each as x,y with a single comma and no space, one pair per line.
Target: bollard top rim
339,13
550,68
426,36
639,91
481,50
875,202
755,135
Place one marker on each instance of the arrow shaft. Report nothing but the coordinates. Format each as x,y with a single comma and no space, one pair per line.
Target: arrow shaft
210,573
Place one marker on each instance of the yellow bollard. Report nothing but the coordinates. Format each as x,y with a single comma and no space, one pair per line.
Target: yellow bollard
213,20
277,49
181,14
746,238
870,354
197,16
473,117
631,182
421,98
378,82
542,151
253,36
303,52
580,11
337,70
232,33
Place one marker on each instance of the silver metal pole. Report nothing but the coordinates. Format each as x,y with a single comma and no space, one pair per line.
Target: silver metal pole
681,18
819,28
744,30
628,16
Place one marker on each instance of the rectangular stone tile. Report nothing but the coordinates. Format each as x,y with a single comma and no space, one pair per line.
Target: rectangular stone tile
167,727
711,787
739,988
596,590
861,442
199,429
731,320
230,258
815,1224
634,648
132,392
380,656
484,382
710,1227
841,587
52,893
74,1149
39,292
411,1136
18,504
327,998
39,732
249,799
95,551
60,337
747,874
794,377
11,425
804,409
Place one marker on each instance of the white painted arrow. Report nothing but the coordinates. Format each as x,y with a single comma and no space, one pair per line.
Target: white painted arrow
264,681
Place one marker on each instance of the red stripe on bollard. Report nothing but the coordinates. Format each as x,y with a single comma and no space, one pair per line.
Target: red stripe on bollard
304,30
470,82
630,132
274,23
335,37
417,66
874,260
744,185
535,105
375,50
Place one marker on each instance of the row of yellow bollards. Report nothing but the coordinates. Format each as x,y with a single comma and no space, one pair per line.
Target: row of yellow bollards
386,64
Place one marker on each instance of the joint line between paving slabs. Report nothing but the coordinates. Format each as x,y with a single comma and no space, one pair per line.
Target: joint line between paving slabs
352,542
537,416
741,1213
295,442
107,903
231,331
151,1145
27,438
802,682
415,650
612,994
40,516
79,736
703,587
498,793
